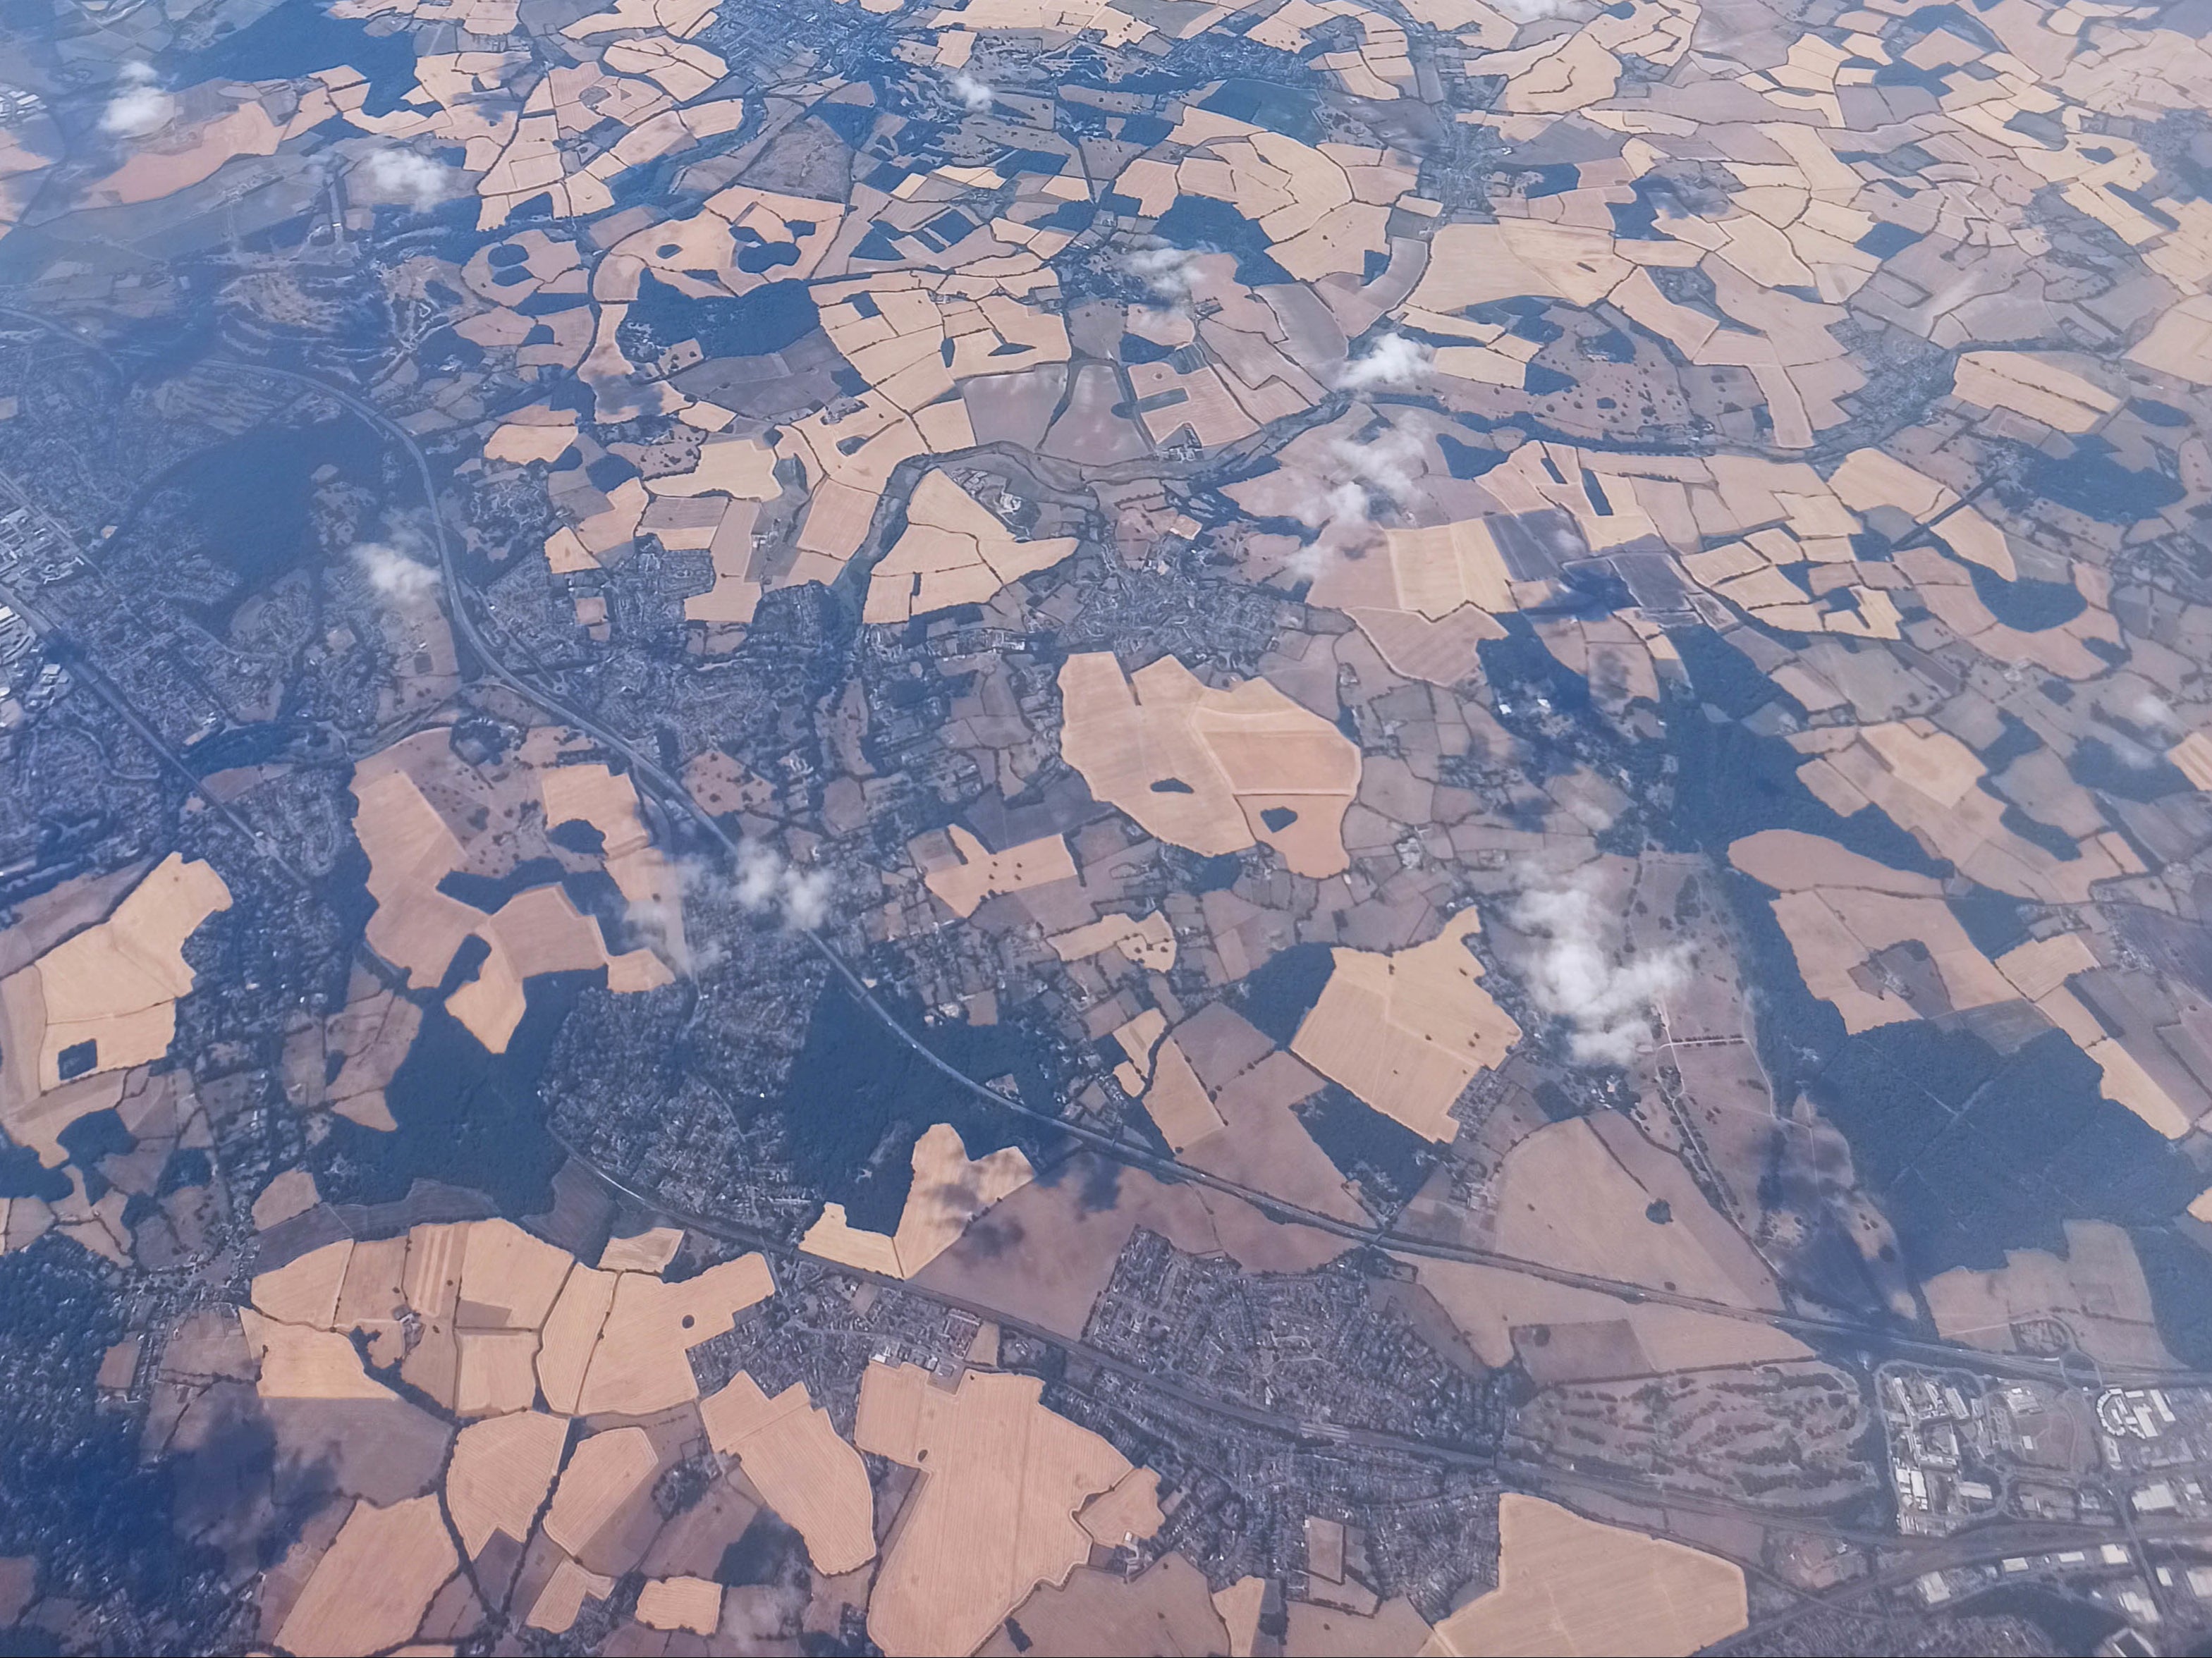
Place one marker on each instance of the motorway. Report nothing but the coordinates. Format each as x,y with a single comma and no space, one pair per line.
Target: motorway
673,798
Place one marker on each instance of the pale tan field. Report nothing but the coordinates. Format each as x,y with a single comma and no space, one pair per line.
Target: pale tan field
971,874
511,1275
497,1372
571,1332
303,1364
500,1471
605,1472
116,984
1568,1585
608,801
1577,1194
414,926
685,1603
950,1190
558,1604
1146,940
994,1514
2096,1290
292,1193
540,931
1177,1101
1790,860
371,1590
1209,769
639,1366
372,1296
648,1252
1129,1513
2034,386
1406,1033
1164,1610
1239,1608
953,552
306,1290
1834,932
793,1455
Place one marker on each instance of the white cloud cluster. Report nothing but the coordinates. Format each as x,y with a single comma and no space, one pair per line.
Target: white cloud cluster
1384,466
1578,972
1394,361
394,575
395,174
1166,271
137,108
1342,515
975,93
766,880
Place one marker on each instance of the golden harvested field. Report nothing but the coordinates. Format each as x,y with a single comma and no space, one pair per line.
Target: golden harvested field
1239,1608
498,1372
116,984
950,1190
793,1455
306,1290
1214,770
994,1514
510,1276
1406,1033
303,1364
563,1596
571,1332
1147,940
1790,860
687,1603
372,1588
292,1193
1567,1585
971,874
539,931
416,926
1836,932
605,1472
639,1366
500,1471
608,801
1177,1101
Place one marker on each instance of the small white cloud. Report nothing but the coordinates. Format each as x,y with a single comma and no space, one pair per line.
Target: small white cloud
1531,11
1579,972
1393,361
975,94
394,576
137,108
806,894
401,175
